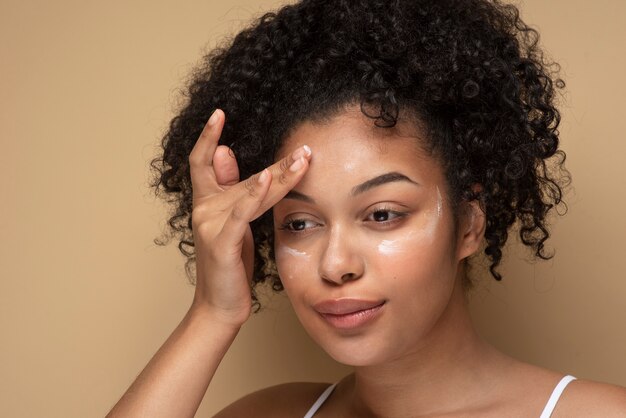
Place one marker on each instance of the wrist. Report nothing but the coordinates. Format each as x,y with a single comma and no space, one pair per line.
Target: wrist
204,313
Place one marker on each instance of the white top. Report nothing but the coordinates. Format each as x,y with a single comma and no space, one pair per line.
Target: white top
320,401
547,411
556,394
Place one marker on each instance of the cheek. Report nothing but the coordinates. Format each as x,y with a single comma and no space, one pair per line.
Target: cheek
420,237
291,264
423,250
415,254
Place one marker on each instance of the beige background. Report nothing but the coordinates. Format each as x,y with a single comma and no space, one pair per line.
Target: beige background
86,298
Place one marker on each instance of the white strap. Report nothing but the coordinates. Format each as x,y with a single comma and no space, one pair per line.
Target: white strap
320,401
556,394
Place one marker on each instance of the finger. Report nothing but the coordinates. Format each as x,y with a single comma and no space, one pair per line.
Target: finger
243,211
201,157
225,167
286,173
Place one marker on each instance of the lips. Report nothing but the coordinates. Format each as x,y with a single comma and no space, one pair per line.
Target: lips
345,306
349,315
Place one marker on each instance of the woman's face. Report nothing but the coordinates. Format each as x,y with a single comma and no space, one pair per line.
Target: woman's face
365,244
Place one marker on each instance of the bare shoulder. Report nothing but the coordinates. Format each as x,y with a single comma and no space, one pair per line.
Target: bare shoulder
586,398
284,400
581,397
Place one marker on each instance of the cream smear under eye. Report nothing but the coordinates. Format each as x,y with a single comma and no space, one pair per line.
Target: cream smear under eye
293,252
389,247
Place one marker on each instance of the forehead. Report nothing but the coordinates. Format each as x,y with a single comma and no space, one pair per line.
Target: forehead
350,148
352,124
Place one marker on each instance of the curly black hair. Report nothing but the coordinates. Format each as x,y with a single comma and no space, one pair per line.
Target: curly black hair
471,69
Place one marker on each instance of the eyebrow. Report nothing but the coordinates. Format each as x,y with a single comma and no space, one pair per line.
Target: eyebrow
390,177
380,180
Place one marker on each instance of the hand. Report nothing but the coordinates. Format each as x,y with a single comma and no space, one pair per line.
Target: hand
223,208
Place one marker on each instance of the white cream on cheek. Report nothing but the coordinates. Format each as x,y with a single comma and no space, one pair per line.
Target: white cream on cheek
390,247
294,252
439,203
406,243
292,259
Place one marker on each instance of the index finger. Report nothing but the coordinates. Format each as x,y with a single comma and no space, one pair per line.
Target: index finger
285,175
203,179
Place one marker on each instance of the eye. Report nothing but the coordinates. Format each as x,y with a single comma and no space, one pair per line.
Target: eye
381,215
297,225
384,215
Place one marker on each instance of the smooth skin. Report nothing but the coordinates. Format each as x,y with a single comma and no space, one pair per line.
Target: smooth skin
423,357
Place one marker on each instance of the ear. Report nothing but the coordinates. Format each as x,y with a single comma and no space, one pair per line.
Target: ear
472,225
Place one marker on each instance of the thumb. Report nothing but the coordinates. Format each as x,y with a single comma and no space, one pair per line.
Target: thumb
225,167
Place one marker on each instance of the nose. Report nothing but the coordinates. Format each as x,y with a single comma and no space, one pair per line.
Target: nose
341,261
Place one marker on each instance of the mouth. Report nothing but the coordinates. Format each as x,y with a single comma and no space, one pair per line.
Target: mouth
349,313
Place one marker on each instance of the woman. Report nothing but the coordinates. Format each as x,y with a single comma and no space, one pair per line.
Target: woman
381,144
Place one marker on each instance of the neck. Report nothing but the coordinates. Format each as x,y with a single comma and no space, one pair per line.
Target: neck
454,367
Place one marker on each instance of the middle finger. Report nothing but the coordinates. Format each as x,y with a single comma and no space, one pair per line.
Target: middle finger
286,173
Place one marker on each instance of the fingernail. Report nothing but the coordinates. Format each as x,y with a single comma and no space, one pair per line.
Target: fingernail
213,118
263,176
297,165
301,152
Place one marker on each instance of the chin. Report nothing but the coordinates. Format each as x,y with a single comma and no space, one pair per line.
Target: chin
355,352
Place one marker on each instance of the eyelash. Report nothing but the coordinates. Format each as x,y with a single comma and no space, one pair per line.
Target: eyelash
288,224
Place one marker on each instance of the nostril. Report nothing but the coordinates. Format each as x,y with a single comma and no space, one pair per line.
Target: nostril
348,276
340,279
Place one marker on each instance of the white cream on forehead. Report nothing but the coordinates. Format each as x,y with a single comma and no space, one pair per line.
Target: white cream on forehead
348,166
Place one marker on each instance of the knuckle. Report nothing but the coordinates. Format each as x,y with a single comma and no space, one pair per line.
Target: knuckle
283,179
203,228
194,159
205,215
197,213
204,235
284,165
250,188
